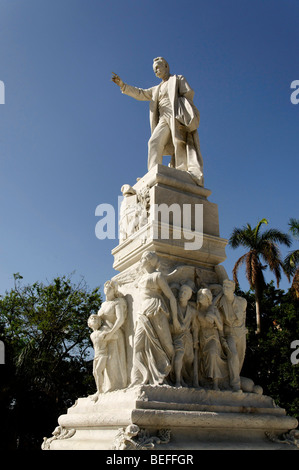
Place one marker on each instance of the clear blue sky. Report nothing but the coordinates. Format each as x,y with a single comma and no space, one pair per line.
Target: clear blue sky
69,140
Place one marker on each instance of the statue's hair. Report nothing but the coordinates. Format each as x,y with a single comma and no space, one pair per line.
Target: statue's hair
185,285
114,286
206,292
151,256
161,59
229,283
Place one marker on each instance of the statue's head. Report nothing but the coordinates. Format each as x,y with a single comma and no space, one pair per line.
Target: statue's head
110,290
149,259
186,292
204,296
228,287
132,430
94,322
161,67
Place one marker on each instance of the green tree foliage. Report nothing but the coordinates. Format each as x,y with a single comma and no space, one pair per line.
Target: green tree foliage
262,248
268,356
291,262
47,348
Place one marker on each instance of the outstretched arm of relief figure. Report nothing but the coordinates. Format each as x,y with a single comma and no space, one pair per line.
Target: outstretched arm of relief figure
137,93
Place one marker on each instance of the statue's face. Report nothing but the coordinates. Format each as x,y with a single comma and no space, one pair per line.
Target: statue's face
228,289
160,69
185,293
148,262
203,299
109,292
95,322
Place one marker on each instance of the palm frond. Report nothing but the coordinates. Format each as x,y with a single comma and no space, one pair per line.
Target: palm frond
276,236
291,262
257,228
295,284
250,270
236,267
294,227
241,237
254,271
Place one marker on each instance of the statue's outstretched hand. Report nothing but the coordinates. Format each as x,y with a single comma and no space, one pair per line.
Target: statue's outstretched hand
116,79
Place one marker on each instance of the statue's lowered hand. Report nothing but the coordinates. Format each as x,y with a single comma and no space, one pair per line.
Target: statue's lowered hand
177,327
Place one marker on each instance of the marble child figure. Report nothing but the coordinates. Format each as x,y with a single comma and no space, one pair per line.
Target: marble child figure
100,351
174,120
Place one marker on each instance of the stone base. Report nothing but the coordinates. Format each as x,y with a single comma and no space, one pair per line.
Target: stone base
170,418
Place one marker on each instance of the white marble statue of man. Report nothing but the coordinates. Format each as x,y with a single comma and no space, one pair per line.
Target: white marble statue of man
174,120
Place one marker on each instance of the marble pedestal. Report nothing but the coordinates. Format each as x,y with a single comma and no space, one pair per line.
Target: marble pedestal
165,417
169,188
186,418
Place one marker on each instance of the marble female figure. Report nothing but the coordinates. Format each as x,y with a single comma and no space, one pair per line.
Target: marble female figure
153,347
212,367
113,313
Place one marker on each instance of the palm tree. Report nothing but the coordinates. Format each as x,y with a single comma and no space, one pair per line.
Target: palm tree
291,261
262,247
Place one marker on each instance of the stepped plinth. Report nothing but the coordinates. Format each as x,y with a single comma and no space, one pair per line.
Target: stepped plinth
191,419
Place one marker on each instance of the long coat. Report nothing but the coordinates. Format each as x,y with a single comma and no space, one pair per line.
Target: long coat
183,111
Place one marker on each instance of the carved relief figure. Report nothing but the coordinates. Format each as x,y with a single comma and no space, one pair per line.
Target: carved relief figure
174,120
133,214
134,438
153,348
185,341
99,341
127,219
113,313
212,366
233,314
